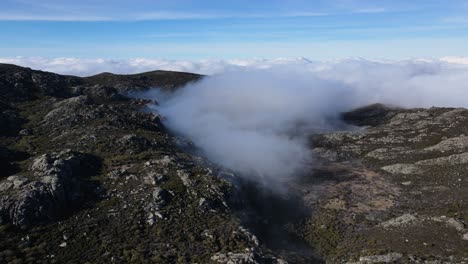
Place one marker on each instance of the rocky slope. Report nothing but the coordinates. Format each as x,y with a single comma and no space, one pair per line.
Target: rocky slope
393,191
88,176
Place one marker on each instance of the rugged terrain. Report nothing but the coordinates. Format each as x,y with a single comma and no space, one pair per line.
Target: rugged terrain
88,176
394,190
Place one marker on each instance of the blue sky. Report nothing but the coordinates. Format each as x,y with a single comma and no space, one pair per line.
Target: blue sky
220,29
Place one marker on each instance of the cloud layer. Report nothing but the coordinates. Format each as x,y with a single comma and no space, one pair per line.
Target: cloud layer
87,67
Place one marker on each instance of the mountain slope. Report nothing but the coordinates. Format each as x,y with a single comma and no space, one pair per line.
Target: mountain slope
87,176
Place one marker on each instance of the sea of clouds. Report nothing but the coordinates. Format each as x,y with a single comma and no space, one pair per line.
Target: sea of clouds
87,67
255,116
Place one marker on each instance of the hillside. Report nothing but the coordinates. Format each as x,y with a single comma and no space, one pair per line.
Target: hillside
88,176
163,79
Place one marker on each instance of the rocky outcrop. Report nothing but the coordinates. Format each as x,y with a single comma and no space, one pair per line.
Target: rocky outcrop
20,84
235,258
98,93
51,191
387,258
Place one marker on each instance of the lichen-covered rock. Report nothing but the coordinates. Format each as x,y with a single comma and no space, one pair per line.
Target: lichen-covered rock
53,189
455,144
154,178
399,221
402,169
456,159
235,258
387,258
99,93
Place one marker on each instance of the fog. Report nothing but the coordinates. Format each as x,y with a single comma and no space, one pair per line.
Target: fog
256,120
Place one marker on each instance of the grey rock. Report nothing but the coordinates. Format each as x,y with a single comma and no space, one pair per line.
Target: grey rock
458,225
25,132
5,185
117,174
455,144
388,258
185,178
135,142
54,189
17,181
402,169
456,159
13,182
235,258
100,93
399,221
77,100
465,236
153,217
326,154
154,178
385,153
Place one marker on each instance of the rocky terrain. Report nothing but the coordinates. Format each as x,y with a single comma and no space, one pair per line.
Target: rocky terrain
88,176
393,190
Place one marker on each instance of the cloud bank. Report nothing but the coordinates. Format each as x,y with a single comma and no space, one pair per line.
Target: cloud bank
89,66
254,121
256,118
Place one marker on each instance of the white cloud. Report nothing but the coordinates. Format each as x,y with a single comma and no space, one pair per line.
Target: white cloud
370,10
86,67
456,60
51,17
147,16
89,66
254,115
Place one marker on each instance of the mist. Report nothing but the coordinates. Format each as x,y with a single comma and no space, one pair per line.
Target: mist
256,120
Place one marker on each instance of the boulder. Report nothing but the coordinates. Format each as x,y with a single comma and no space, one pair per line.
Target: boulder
52,191
402,168
235,258
388,258
161,197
